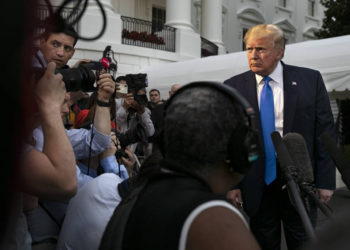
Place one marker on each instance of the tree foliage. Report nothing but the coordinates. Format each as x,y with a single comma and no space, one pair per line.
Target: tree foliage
337,19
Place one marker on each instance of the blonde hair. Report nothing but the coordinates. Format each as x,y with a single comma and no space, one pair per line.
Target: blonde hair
267,30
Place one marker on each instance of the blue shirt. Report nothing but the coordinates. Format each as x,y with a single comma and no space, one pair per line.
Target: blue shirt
109,165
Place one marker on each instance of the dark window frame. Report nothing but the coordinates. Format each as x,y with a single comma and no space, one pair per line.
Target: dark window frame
158,18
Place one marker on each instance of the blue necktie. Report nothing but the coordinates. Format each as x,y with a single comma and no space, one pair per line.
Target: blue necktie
267,117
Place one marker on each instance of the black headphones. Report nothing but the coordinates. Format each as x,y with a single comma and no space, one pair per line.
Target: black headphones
240,157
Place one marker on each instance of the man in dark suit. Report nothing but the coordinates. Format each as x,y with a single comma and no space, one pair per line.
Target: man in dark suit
297,101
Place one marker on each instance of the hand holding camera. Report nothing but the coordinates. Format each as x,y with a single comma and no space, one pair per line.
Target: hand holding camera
50,90
140,108
129,161
106,87
132,104
114,147
128,100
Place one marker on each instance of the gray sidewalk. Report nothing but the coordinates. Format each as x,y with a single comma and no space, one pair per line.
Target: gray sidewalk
339,204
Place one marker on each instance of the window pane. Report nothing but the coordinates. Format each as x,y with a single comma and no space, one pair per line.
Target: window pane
282,3
311,7
158,19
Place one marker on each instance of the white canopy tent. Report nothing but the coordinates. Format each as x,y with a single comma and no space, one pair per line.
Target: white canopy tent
330,56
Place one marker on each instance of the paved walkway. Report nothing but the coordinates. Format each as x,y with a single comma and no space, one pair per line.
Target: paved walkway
339,204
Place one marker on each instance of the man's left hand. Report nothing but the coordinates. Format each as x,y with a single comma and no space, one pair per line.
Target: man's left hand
325,195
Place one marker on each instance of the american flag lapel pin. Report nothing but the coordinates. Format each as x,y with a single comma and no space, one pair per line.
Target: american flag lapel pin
294,83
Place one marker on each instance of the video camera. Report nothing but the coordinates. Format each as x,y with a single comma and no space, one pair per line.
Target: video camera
131,136
81,78
136,82
84,77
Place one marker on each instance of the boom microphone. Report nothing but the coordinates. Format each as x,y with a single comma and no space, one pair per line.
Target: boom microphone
303,175
338,157
284,159
298,151
288,169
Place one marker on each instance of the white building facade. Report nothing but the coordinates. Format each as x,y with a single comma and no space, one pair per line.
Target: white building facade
149,32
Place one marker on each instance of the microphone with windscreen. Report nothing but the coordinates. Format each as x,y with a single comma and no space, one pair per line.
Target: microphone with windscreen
303,171
288,170
298,151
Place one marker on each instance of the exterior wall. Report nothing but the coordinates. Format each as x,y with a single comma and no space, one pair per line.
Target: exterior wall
236,15
293,19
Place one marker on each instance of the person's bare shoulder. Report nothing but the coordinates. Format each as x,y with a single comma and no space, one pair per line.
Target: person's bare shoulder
219,227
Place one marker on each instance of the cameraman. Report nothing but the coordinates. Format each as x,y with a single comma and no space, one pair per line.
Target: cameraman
133,110
49,173
45,221
57,45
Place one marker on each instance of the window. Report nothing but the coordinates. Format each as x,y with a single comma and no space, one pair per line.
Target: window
311,7
244,31
158,19
282,3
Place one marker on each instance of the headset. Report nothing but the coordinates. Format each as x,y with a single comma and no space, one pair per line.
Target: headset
240,157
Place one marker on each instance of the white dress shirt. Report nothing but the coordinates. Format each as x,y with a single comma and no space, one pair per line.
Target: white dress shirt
276,84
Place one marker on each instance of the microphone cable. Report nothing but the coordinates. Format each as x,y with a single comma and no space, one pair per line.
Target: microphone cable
78,10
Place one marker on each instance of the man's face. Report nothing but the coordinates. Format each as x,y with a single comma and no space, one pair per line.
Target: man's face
57,48
173,89
263,55
122,82
154,96
141,92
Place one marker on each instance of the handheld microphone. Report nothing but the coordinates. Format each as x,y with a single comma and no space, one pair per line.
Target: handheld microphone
304,176
105,62
338,157
106,51
288,169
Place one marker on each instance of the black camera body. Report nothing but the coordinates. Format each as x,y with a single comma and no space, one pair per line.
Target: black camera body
141,99
131,136
136,81
81,78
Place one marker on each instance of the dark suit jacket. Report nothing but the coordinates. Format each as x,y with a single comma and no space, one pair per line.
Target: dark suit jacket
306,111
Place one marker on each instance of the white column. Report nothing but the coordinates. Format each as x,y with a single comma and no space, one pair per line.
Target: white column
212,22
178,15
116,6
91,25
107,5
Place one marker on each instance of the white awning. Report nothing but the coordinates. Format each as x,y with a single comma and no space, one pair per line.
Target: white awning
330,56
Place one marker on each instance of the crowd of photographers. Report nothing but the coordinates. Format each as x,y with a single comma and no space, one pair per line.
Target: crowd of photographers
90,133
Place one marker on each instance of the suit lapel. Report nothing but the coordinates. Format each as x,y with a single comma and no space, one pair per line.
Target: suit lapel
251,95
290,87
